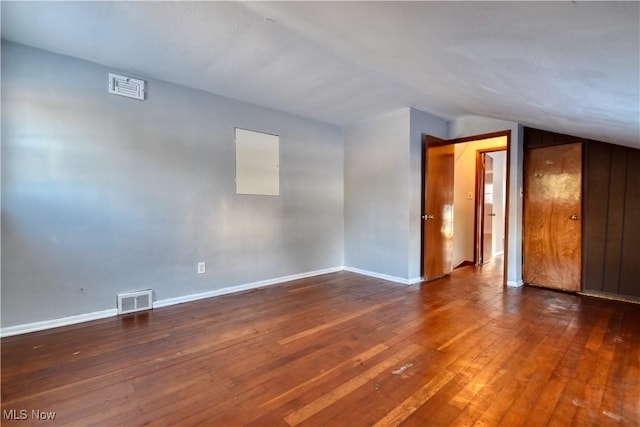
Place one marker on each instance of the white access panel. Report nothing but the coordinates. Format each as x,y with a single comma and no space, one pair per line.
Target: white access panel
257,163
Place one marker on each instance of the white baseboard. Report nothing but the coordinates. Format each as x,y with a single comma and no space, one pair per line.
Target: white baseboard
515,284
71,320
56,323
384,276
232,289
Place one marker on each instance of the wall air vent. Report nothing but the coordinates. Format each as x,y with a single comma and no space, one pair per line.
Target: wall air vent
135,301
126,86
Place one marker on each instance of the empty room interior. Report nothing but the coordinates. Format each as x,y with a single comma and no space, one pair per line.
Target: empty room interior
320,213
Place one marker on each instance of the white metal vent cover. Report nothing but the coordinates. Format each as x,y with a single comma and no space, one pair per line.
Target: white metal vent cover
135,301
126,86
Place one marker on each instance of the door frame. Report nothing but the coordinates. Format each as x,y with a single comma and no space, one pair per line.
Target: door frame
438,141
479,206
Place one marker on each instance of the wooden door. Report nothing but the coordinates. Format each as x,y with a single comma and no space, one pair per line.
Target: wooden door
438,208
552,216
487,209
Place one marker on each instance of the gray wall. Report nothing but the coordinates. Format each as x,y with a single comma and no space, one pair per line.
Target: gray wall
103,194
376,191
383,190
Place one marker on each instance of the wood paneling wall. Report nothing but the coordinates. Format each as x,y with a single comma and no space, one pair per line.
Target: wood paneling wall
611,213
536,138
611,262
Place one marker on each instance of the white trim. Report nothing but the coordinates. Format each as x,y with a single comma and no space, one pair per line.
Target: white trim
416,280
72,320
56,323
232,289
515,284
383,276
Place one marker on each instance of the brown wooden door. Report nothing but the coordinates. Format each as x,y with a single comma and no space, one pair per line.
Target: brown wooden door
438,212
488,214
552,216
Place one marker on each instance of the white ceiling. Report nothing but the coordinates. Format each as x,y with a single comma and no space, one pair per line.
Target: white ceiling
569,67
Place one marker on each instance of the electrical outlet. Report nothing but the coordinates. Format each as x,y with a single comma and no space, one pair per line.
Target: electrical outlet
202,267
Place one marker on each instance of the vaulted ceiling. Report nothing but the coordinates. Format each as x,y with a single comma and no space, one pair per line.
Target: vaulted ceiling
570,67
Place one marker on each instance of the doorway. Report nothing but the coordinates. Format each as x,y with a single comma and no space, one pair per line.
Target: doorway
490,201
461,245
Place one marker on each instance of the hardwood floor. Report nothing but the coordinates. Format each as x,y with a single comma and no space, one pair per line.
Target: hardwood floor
340,350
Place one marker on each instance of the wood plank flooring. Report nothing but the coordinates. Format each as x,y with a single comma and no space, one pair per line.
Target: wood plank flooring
340,350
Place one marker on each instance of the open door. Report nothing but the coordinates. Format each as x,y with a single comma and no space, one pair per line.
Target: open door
487,210
437,242
490,206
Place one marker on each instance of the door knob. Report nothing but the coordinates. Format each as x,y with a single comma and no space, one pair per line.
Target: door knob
428,217
574,217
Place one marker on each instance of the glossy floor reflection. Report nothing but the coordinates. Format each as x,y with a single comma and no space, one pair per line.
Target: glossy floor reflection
342,350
